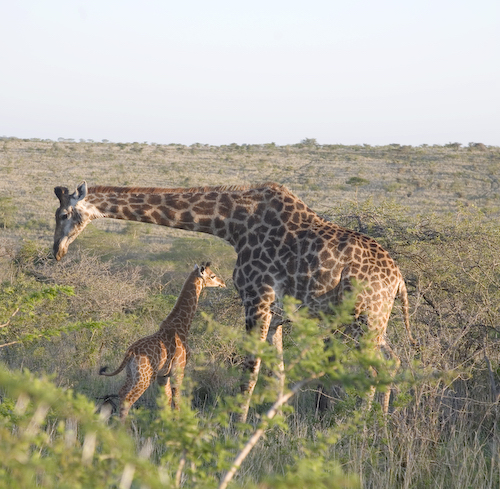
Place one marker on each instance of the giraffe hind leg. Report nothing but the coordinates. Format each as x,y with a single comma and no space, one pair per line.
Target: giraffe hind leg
176,388
137,382
386,396
391,355
168,390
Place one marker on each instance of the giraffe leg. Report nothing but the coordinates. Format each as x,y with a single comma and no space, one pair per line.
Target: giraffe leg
139,374
252,366
128,398
167,388
275,337
177,379
259,316
371,392
387,395
385,348
322,400
175,375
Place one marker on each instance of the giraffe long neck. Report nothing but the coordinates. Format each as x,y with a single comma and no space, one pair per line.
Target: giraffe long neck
207,210
181,316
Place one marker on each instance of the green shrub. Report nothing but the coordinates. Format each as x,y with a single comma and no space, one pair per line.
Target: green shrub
51,437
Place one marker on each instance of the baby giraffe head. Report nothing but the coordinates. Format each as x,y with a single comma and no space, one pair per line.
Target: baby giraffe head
209,279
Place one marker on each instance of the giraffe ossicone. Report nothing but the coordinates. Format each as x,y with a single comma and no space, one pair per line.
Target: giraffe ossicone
283,248
163,355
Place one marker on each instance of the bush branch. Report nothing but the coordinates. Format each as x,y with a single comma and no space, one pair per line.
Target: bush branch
11,316
260,431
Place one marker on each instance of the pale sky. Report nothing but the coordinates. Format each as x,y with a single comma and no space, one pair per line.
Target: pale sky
220,72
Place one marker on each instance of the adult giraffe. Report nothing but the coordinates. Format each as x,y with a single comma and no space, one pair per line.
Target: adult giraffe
283,248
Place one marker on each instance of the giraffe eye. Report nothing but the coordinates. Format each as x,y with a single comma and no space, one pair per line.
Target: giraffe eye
65,215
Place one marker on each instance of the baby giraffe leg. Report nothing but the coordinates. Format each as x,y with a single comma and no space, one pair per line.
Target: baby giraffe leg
138,379
165,382
128,399
178,377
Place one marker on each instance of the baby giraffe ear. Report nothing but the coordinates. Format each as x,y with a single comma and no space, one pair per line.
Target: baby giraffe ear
196,266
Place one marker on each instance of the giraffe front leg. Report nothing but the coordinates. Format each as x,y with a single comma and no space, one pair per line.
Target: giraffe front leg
275,338
251,367
260,317
163,380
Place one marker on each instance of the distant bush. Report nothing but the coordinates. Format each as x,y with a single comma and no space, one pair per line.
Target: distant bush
7,212
309,142
357,181
478,146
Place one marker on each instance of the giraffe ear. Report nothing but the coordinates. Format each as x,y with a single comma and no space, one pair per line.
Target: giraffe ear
60,192
196,266
81,191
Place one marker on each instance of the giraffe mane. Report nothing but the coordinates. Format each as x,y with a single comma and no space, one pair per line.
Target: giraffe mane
160,190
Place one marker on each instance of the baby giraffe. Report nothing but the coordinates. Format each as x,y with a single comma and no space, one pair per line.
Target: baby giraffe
163,355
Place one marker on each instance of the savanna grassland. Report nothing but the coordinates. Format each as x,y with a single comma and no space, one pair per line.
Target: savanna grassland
435,208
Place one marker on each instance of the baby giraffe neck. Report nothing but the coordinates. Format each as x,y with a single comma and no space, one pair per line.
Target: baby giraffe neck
185,307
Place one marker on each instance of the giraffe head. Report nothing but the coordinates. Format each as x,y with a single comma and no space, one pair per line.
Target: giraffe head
208,277
73,214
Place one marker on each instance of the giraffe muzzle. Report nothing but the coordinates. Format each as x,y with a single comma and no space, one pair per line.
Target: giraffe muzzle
60,248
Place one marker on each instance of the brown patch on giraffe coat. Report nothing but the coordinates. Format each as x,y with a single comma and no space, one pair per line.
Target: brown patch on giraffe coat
154,199
128,213
156,216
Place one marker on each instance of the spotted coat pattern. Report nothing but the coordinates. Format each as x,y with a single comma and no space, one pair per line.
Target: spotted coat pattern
283,248
163,355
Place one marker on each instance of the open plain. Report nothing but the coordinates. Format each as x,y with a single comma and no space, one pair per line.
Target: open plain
435,208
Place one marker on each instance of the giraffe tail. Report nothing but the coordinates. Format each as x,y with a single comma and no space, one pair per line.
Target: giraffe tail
102,370
403,297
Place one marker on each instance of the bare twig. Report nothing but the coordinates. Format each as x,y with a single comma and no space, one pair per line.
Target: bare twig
17,341
260,431
11,316
494,393
8,344
178,474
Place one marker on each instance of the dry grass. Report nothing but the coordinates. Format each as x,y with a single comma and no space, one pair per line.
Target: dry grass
442,433
424,178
